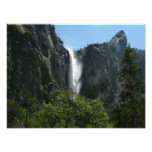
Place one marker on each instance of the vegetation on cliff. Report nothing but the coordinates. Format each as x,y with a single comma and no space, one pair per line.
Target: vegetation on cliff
37,81
64,110
130,112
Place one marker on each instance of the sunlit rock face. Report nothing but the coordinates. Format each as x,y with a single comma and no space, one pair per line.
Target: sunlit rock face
52,50
37,61
119,40
100,66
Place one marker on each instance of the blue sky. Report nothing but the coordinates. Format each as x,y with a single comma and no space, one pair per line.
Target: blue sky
78,36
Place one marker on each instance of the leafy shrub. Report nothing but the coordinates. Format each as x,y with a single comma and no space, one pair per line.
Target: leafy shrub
65,109
15,114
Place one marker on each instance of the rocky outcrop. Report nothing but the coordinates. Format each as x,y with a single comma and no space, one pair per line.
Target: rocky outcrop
100,67
36,62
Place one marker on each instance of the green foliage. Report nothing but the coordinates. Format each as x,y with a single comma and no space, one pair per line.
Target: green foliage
18,37
46,92
43,63
30,103
130,112
52,78
15,114
66,110
91,113
20,113
28,33
57,113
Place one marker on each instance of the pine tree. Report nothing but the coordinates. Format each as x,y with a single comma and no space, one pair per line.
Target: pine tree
131,110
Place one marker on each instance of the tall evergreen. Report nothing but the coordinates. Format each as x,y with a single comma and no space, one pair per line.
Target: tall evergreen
131,110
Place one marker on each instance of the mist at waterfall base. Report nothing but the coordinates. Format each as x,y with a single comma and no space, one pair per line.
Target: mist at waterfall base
74,71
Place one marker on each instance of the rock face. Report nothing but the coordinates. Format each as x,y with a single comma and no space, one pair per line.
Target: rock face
36,62
100,67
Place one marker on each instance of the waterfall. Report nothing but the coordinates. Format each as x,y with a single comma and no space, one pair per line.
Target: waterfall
74,71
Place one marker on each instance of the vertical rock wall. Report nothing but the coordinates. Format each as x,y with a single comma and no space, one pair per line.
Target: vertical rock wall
36,61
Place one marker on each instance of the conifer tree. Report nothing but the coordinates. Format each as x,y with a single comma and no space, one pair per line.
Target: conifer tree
131,110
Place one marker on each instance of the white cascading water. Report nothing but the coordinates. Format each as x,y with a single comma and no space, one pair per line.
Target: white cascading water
75,72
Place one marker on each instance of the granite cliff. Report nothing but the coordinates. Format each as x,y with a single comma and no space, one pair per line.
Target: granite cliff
37,62
100,67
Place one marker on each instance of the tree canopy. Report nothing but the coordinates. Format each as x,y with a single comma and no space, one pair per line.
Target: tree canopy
131,110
